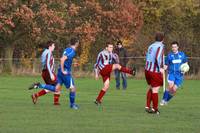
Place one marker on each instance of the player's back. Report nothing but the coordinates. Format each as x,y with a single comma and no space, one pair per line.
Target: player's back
45,54
154,52
70,53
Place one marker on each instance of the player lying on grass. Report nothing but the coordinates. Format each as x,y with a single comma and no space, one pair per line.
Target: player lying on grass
48,73
173,63
64,75
154,72
104,67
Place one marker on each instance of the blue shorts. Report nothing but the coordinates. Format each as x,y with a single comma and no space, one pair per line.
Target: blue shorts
176,79
67,80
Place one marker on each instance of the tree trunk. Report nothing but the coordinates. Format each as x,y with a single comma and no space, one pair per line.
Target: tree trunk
8,59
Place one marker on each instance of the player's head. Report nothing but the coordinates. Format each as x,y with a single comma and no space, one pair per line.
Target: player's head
109,46
119,44
175,47
159,36
50,45
74,42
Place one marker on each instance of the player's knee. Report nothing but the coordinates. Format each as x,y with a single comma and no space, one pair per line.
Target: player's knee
116,66
73,89
155,89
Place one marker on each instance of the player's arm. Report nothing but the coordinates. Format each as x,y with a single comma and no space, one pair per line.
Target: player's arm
160,58
62,61
96,65
49,67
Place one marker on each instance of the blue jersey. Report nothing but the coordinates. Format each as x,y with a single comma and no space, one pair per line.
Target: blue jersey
174,61
154,57
70,53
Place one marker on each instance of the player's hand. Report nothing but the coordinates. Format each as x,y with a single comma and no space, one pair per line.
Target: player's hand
53,77
96,76
64,72
162,70
165,67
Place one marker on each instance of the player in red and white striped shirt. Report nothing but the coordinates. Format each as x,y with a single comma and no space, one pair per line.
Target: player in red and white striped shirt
154,72
48,73
104,67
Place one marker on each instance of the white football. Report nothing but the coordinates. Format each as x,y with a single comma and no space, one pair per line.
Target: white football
184,67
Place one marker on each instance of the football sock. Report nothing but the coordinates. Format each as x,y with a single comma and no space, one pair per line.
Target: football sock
48,87
56,98
72,96
149,98
101,94
40,93
126,70
155,101
165,95
169,97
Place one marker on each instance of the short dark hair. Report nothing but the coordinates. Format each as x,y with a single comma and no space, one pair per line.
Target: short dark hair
159,36
49,43
175,42
108,43
73,41
119,42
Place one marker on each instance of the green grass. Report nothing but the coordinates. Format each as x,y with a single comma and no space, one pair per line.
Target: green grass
122,111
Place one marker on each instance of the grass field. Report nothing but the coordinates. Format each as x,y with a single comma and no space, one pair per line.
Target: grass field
122,111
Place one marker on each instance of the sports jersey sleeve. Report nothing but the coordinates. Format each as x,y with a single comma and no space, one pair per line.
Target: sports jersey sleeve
98,60
68,53
160,57
48,63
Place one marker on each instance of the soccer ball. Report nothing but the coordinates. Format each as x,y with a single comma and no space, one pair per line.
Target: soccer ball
184,68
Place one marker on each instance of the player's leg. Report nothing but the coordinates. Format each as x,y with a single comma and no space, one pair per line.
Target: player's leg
117,78
155,91
148,98
168,94
72,94
124,81
177,83
149,92
57,94
123,69
69,83
156,83
103,91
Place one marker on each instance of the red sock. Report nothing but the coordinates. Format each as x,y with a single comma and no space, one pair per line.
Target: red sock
56,98
41,93
101,94
155,101
149,98
126,70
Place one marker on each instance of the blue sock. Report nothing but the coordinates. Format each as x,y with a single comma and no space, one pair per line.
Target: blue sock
165,95
72,96
48,87
169,97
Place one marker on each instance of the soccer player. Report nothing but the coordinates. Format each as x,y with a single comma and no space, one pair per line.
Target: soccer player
175,77
64,75
48,73
153,72
104,67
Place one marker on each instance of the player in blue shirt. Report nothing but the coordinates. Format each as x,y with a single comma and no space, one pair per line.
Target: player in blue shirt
64,75
175,77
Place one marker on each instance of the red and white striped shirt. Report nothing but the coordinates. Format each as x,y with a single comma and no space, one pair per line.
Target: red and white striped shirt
104,58
155,57
47,61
